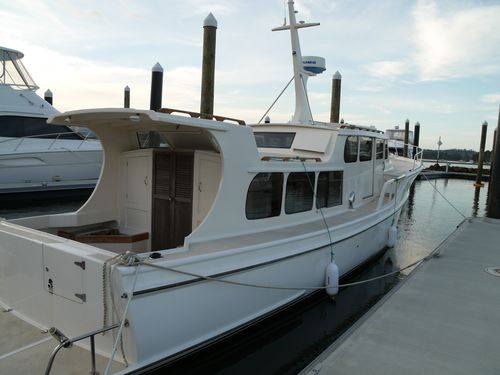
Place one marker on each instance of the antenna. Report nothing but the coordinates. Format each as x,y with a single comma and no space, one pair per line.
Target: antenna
302,113
284,12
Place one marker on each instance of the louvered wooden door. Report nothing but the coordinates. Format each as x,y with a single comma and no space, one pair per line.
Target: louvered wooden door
172,198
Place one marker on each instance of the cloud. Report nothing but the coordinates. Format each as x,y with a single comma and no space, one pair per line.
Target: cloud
456,43
491,98
387,69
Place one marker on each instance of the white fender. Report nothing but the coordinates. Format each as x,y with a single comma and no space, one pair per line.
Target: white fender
332,278
392,236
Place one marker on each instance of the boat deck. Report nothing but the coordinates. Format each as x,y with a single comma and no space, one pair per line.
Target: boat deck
25,349
443,319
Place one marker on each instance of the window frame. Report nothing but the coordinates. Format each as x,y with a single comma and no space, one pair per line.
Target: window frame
272,196
307,189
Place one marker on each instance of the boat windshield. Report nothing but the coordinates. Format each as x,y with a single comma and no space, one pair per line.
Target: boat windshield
36,127
12,71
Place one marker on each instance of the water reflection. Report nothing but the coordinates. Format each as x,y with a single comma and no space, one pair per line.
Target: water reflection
475,202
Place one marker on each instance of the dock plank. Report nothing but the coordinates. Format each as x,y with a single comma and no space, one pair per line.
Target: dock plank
443,319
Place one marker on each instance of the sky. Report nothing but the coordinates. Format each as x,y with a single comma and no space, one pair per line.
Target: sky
435,62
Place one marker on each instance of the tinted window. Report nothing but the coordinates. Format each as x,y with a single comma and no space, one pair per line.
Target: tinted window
299,192
351,149
264,196
274,140
380,149
365,148
18,127
329,189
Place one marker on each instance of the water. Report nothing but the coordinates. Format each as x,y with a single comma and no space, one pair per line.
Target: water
289,341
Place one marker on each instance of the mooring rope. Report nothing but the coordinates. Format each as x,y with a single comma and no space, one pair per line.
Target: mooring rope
435,188
126,259
312,288
315,197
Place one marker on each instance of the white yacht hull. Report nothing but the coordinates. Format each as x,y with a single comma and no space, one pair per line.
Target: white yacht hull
210,310
36,169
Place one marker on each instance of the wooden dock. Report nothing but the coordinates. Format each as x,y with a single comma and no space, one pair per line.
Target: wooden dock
444,318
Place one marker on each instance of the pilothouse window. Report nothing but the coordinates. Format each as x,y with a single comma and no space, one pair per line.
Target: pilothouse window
365,148
299,192
380,149
274,140
264,196
351,149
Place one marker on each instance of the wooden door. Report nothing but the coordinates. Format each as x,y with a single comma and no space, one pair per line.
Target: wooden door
172,198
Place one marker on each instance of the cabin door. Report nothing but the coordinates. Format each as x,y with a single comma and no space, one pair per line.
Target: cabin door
172,198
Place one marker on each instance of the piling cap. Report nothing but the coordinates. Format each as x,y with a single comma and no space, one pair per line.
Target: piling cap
337,75
210,21
157,68
485,123
127,88
48,93
407,121
417,123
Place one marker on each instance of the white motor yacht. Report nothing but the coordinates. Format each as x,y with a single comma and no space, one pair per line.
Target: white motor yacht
36,157
198,228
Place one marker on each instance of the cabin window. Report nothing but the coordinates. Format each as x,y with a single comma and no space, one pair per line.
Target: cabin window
329,191
380,149
264,196
274,140
34,127
351,149
299,192
386,148
365,148
152,139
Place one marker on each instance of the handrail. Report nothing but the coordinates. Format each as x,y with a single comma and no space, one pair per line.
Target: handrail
47,137
64,342
199,115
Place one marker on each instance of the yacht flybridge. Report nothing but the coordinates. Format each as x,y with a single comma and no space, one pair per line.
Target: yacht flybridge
199,227
36,157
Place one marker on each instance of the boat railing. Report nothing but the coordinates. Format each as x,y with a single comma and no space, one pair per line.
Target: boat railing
395,147
49,136
201,115
65,342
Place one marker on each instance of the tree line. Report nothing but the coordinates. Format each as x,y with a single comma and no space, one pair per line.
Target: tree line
455,154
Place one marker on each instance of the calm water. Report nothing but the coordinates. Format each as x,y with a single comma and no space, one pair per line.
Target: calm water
289,341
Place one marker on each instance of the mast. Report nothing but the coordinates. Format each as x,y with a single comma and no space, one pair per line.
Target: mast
302,113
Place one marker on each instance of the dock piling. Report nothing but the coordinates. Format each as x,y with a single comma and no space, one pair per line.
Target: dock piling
126,97
335,103
406,139
416,138
480,161
156,87
208,67
493,206
47,96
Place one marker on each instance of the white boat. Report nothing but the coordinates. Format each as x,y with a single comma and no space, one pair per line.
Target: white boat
224,224
396,141
36,157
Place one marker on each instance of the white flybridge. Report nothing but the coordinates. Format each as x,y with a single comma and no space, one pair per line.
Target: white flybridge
198,228
36,157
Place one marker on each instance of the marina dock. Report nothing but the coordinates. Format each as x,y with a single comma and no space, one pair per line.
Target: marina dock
444,318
